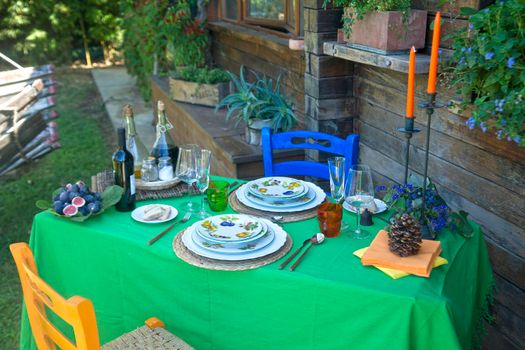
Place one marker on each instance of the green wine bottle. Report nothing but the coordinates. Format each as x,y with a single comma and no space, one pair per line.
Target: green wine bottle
123,168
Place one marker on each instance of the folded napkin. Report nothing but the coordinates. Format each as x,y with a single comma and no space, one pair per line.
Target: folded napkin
395,274
378,254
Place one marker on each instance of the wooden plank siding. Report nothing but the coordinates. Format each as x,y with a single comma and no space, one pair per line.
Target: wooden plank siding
233,46
473,171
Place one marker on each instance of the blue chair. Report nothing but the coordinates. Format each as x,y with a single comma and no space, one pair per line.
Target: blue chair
347,148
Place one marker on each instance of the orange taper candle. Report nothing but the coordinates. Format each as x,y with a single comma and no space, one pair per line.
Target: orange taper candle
432,72
411,83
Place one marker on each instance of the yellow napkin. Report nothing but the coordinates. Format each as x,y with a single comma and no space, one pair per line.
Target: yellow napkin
395,274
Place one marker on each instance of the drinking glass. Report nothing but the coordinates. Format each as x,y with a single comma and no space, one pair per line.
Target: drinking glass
186,167
336,169
217,194
203,158
360,193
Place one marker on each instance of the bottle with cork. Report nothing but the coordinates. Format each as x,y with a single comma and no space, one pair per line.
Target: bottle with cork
164,145
134,144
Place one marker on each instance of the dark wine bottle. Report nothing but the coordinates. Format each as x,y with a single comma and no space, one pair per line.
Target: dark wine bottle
164,145
123,168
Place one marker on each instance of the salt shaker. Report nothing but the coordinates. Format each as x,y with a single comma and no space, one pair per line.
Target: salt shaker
165,168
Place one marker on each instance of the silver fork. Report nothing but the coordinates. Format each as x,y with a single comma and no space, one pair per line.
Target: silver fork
186,217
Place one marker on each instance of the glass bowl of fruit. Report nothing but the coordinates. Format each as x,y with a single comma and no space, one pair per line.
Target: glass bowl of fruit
77,202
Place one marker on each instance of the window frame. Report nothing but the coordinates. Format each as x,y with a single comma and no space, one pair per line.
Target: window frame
267,24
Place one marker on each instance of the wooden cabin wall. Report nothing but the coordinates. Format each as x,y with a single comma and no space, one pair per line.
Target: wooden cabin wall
234,45
473,170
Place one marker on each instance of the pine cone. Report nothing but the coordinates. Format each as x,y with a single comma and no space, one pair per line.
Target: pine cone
404,238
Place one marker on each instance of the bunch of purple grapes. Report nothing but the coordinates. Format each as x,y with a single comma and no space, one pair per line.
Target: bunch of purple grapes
77,198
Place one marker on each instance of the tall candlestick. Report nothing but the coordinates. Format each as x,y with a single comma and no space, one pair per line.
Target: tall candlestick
411,83
432,73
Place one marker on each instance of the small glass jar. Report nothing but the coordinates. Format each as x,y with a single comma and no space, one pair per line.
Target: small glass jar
165,169
150,171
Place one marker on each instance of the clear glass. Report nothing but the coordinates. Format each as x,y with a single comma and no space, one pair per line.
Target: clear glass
203,160
336,169
230,9
360,194
267,9
186,169
150,172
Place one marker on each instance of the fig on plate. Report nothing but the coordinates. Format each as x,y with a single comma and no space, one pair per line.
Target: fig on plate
70,210
78,202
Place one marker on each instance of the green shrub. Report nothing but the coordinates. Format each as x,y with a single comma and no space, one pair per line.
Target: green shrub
203,75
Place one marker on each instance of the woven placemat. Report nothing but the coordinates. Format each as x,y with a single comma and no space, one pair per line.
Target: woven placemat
212,264
287,217
106,178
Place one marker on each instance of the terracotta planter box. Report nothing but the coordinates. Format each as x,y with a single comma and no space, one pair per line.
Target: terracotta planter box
385,31
195,93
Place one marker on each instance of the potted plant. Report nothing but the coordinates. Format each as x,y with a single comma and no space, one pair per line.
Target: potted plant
386,26
488,69
203,86
259,104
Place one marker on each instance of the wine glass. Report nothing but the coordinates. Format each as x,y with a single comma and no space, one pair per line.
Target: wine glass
360,194
203,158
336,169
186,167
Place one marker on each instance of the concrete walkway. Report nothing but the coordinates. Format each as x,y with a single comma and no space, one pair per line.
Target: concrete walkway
117,88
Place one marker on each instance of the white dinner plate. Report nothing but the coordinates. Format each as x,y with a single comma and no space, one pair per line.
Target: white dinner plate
138,214
303,200
279,187
229,228
381,206
319,198
233,248
278,241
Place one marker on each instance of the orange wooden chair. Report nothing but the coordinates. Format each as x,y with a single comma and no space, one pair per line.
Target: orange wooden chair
79,313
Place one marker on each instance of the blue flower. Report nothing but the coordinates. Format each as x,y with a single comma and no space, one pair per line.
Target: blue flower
509,138
440,51
517,139
380,188
395,196
511,62
469,50
471,123
503,121
463,49
483,126
489,55
470,26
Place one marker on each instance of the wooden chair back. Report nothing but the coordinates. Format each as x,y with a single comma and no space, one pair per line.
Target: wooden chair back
348,148
38,295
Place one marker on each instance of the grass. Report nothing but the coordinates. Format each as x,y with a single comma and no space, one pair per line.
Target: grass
86,136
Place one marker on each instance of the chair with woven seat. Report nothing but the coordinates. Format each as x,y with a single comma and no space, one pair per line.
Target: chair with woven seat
348,148
80,314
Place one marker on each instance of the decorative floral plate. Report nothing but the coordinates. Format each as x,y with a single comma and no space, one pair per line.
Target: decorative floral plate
229,228
278,241
277,187
263,240
319,198
294,202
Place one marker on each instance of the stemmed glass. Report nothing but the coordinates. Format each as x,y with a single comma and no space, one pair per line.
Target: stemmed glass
186,167
336,169
360,194
203,158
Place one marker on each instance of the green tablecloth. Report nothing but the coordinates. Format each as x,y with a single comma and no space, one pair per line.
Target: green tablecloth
330,302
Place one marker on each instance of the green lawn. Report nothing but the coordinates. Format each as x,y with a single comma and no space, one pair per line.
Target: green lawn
86,136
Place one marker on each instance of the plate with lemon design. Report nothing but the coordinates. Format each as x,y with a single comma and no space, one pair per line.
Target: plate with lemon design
229,228
284,188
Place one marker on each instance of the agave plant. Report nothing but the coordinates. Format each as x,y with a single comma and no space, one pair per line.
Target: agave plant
258,100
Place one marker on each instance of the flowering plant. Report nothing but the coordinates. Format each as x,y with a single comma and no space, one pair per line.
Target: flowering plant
409,199
488,69
186,35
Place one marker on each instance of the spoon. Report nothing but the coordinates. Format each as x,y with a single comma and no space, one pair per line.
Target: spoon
316,239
